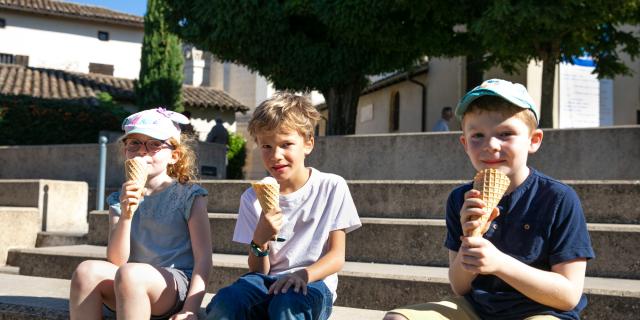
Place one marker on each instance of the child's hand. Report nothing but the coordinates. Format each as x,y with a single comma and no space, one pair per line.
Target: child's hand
184,315
130,194
268,226
472,207
297,279
479,255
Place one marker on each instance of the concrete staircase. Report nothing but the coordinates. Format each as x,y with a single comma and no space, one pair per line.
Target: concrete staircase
397,257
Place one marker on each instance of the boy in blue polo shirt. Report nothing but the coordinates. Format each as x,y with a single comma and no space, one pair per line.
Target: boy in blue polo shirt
531,262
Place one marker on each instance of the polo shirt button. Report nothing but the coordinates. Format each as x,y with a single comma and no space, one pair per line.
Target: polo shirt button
495,226
526,227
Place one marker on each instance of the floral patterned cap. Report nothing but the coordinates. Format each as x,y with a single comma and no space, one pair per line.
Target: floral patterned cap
158,123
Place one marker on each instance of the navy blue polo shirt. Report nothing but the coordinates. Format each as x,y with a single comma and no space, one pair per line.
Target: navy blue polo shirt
541,224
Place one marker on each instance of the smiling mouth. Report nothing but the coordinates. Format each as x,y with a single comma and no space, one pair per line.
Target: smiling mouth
493,161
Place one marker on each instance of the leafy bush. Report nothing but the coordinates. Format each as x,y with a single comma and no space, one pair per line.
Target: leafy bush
236,155
32,121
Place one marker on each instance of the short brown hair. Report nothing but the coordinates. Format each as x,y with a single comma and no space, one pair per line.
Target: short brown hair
504,107
285,110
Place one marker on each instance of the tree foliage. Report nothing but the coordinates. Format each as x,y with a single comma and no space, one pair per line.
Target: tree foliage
161,62
328,46
236,155
514,32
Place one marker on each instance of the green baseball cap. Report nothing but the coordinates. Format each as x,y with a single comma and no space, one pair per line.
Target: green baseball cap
512,92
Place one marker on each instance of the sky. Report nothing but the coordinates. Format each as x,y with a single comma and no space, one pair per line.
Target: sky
136,7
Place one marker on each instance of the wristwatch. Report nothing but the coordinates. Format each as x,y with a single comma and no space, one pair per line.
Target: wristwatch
255,249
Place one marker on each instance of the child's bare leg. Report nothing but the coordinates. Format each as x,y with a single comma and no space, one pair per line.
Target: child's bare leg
143,290
91,286
393,316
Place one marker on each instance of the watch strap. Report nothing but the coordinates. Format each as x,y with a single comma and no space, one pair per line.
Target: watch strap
255,249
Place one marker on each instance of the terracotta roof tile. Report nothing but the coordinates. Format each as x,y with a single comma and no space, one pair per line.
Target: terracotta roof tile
57,84
73,10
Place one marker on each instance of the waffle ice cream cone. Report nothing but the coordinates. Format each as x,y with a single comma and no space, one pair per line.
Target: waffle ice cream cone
268,192
135,169
492,184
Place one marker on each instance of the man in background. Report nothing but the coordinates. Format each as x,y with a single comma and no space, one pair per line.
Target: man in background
218,133
443,122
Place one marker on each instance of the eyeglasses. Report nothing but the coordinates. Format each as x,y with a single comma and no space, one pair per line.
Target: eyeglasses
152,145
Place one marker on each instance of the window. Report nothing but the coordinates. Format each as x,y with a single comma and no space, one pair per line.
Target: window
8,58
100,68
3,22
103,36
394,113
637,116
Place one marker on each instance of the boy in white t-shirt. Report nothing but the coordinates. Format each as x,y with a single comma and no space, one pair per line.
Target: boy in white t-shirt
296,278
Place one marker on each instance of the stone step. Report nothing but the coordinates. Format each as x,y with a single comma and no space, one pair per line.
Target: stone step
25,297
9,270
18,229
362,285
58,238
421,242
61,205
603,201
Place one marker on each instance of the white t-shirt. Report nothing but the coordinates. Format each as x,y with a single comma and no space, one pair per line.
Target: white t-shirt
310,213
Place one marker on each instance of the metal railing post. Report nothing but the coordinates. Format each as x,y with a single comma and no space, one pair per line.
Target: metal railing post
102,173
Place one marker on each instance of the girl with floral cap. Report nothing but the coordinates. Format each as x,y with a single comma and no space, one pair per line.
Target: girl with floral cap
158,260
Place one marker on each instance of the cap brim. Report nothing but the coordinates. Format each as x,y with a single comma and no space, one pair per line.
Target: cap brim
477,93
155,134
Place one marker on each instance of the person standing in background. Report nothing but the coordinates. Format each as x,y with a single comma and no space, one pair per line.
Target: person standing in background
218,133
443,122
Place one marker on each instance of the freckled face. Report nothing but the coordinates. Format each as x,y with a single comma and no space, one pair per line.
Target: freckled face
492,140
157,160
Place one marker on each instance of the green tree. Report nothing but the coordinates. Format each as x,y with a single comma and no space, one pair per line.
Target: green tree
236,155
514,32
329,46
161,62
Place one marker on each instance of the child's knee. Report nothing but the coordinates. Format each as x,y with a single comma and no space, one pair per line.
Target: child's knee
394,316
129,275
86,273
289,303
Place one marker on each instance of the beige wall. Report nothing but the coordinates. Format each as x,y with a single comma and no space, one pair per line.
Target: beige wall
443,82
626,94
66,44
446,85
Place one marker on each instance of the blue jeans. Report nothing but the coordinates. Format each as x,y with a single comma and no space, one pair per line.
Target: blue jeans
248,298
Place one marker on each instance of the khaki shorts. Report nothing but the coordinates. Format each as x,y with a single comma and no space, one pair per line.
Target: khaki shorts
452,308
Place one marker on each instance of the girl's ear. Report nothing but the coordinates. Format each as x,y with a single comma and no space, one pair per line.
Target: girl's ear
175,156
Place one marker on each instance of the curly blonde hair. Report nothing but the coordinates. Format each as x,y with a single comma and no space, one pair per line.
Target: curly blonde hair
285,110
184,170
